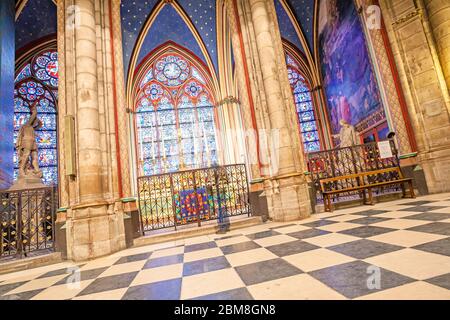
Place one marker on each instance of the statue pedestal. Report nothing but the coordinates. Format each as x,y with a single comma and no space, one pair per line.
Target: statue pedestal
27,183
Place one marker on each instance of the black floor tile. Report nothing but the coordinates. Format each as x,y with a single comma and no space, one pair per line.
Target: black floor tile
165,290
203,266
370,213
266,271
56,273
4,289
109,283
368,220
83,276
22,296
164,261
416,203
366,231
442,228
320,223
429,216
229,237
307,234
421,208
355,279
236,294
261,235
285,226
200,246
134,258
441,281
240,247
363,249
439,247
290,248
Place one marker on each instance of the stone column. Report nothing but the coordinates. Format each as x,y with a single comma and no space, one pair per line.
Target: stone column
7,66
285,184
245,94
439,17
94,223
89,150
424,86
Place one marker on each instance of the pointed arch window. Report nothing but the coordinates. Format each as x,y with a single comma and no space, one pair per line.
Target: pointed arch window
175,117
36,83
305,106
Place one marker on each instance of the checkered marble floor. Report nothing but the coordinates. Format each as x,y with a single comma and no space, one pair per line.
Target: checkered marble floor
335,256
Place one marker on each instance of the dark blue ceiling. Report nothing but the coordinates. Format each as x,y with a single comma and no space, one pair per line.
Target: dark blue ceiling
304,13
134,15
37,19
169,26
287,29
203,15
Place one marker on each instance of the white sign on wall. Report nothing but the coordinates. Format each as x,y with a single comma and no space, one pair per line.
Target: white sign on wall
385,149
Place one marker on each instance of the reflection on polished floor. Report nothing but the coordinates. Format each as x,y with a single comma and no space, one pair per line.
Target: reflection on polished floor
395,250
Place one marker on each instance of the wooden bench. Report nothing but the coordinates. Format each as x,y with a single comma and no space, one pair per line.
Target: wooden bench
362,182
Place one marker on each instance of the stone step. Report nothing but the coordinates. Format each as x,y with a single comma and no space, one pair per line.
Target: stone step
194,231
30,263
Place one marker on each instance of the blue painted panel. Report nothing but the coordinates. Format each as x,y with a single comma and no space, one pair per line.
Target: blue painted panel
286,28
7,62
203,15
304,12
38,19
134,15
169,26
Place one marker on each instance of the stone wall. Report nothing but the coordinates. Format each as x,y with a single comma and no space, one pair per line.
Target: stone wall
415,44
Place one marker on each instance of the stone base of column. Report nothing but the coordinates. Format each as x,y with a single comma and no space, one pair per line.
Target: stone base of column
94,231
288,198
436,166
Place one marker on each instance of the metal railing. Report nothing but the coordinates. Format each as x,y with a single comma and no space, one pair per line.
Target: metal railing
349,161
186,197
27,221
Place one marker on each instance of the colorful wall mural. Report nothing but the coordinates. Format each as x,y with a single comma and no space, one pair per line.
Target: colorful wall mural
349,81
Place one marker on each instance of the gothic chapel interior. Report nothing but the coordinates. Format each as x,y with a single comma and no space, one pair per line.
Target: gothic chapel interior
152,116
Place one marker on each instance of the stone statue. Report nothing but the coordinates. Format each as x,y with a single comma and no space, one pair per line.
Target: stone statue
27,150
347,136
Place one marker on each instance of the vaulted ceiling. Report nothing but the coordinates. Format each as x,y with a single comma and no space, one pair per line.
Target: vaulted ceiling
296,21
190,23
179,21
35,19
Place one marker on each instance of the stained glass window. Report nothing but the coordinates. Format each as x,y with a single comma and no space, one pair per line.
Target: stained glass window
174,118
305,108
36,83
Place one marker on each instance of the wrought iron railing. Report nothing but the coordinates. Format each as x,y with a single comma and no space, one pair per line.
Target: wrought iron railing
27,221
186,197
348,161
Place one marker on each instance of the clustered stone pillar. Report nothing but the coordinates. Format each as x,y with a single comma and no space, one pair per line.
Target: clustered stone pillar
89,151
422,76
7,65
284,181
94,219
439,15
244,92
